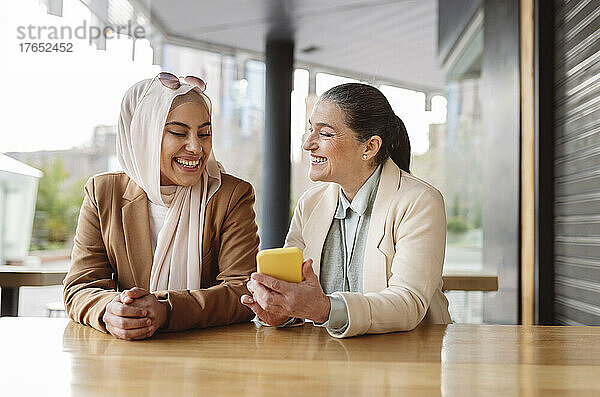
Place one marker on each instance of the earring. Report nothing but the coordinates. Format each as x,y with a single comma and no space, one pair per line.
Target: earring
364,156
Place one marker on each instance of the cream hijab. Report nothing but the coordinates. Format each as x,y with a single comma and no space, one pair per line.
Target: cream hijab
178,255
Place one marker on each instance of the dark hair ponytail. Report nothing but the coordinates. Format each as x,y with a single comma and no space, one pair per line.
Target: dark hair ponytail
399,148
367,112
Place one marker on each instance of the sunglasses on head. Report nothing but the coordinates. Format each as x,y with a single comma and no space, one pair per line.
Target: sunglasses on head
173,82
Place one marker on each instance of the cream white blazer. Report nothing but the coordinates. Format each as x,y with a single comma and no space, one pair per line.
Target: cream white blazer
404,253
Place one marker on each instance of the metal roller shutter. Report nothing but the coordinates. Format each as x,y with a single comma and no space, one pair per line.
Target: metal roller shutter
577,162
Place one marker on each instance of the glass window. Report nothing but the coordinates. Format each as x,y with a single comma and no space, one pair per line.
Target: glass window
452,163
77,99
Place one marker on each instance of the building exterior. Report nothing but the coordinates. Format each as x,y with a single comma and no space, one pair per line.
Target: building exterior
80,162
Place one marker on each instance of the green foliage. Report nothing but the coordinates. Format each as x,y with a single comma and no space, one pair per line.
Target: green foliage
457,224
57,207
477,224
456,206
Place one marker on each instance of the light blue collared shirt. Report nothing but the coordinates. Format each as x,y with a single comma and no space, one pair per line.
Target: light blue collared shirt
351,217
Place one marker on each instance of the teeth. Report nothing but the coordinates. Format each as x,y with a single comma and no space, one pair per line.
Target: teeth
188,163
316,159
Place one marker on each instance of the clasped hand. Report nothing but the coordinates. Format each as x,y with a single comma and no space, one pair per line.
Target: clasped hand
134,314
274,301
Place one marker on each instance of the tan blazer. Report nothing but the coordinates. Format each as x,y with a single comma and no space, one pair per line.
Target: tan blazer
404,253
113,252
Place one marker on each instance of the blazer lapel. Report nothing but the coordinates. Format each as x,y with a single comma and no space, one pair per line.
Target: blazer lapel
136,227
317,226
374,270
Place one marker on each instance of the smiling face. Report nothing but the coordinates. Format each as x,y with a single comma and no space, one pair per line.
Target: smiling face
335,154
186,144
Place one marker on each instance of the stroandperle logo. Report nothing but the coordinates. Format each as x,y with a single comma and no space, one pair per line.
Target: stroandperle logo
49,35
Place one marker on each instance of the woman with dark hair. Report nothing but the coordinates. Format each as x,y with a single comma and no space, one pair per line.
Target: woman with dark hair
374,235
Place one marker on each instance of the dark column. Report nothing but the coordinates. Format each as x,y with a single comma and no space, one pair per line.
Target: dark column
279,60
544,167
9,302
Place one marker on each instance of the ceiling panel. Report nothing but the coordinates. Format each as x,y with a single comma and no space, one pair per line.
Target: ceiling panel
376,39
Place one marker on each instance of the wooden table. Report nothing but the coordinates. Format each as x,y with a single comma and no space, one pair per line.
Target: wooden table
14,276
469,281
42,357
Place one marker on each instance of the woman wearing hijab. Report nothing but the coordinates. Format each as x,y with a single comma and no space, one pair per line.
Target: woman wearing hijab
373,235
170,242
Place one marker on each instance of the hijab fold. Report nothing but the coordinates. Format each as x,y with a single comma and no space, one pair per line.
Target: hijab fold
177,259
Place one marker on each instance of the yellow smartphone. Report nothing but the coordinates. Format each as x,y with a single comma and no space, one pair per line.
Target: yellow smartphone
282,263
